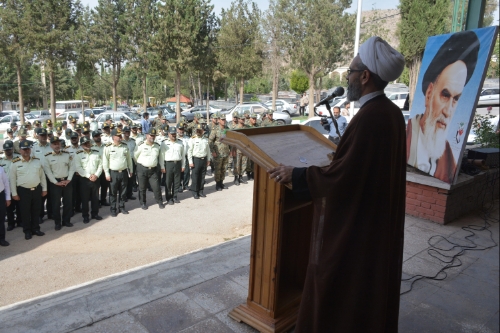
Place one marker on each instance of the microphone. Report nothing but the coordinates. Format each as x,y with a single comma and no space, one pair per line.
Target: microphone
339,91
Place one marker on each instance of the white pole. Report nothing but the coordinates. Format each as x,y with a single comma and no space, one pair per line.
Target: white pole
356,41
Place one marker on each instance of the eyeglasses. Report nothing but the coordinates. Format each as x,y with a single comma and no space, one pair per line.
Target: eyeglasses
349,71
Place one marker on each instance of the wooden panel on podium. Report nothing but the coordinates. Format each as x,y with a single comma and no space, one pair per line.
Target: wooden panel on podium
281,224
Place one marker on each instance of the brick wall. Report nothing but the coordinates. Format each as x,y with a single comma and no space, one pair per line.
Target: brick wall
443,206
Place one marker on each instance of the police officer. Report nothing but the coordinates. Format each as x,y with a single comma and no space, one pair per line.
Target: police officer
94,126
50,126
240,160
59,169
39,149
28,186
192,125
5,202
158,122
147,156
198,156
21,135
59,133
10,135
13,126
186,174
220,153
106,134
162,133
88,164
138,137
172,155
117,165
103,183
6,163
131,146
72,149
72,123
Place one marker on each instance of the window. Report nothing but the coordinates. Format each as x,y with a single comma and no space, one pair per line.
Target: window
403,96
393,97
258,109
486,92
6,119
117,116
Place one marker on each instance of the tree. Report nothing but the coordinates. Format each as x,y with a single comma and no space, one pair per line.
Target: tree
419,20
53,22
240,35
316,41
13,41
110,39
489,12
299,82
182,35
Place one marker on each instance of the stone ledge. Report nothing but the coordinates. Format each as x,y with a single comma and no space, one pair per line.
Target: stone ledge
434,182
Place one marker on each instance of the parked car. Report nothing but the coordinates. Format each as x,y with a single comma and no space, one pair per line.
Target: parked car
489,96
169,114
64,116
8,113
406,114
282,118
123,108
115,116
197,109
5,121
41,115
397,98
283,106
315,123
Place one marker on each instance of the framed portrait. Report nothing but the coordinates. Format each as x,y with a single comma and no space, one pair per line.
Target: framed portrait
444,103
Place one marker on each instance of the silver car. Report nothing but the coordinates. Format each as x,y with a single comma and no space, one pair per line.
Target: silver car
282,118
116,116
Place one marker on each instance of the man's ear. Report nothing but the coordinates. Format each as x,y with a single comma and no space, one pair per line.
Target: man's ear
428,94
365,77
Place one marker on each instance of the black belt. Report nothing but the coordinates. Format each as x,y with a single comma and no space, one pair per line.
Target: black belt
173,161
118,170
149,168
201,158
61,179
29,188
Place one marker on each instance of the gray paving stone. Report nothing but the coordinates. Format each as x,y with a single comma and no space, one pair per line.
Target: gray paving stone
416,239
492,325
240,276
208,325
217,294
233,324
420,291
169,314
483,271
121,323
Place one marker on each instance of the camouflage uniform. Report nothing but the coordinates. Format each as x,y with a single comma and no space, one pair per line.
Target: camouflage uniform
220,161
249,168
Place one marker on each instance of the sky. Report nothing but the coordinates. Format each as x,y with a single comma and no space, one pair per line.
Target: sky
263,5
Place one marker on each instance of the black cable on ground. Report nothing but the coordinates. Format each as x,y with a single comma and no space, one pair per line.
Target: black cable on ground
440,252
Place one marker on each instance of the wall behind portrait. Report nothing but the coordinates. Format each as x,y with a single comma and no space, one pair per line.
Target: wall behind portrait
444,103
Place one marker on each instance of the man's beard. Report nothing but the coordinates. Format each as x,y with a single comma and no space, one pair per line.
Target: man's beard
354,90
434,139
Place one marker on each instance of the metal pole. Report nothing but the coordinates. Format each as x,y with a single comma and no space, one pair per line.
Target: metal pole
356,42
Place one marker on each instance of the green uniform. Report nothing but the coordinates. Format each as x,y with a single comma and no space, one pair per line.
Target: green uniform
117,164
148,166
139,138
198,155
173,157
222,153
88,163
267,123
40,150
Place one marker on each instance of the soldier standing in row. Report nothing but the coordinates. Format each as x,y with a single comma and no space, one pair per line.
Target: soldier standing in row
251,124
240,160
94,126
28,185
6,163
198,156
106,134
72,149
39,149
10,135
172,155
192,125
5,202
220,153
147,156
185,175
267,119
130,142
117,165
88,164
59,169
103,183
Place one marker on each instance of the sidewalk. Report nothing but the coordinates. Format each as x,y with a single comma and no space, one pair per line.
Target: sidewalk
195,292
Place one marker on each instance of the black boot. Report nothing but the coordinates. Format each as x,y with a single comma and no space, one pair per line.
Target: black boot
202,194
196,195
222,186
217,186
251,175
236,181
242,181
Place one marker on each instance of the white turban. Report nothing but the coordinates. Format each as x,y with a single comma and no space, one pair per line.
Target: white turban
382,59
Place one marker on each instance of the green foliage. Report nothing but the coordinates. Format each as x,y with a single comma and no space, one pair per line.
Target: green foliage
485,133
299,82
258,85
489,12
405,76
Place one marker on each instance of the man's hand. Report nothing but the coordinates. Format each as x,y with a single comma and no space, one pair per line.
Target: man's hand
7,203
214,154
162,170
61,183
281,174
93,178
44,193
108,178
182,169
191,165
16,197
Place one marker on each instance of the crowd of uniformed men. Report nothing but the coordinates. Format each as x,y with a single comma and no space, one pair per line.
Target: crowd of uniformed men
79,164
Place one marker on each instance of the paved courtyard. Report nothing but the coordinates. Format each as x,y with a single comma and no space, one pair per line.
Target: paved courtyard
195,292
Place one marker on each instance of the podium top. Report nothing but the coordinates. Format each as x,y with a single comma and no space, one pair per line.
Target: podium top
294,145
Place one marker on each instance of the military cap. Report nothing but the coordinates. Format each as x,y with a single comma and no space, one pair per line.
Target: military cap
180,126
126,129
37,122
119,125
86,123
74,135
216,115
54,139
265,113
172,130
152,131
64,123
122,118
133,125
139,126
200,127
78,127
198,115
50,132
165,127
9,130
13,124
246,112
112,126
86,129
27,123
95,133
104,125
91,115
8,145
160,113
253,115
68,131
59,129
203,121
84,139
71,119
42,131
48,122
108,116
236,114
25,144
116,132
22,132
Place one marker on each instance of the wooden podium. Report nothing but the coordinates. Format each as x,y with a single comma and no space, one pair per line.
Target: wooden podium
281,224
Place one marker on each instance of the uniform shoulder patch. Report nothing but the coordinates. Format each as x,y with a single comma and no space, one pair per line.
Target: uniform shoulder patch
123,143
67,152
97,151
131,138
156,143
35,158
16,160
48,154
109,144
80,151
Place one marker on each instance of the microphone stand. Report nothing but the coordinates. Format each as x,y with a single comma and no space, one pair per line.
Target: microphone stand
334,121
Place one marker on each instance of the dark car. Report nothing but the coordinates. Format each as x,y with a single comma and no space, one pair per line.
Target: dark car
190,113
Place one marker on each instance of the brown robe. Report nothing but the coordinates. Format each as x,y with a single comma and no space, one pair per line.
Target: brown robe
354,271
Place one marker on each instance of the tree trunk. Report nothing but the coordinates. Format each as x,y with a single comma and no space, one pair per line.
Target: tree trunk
208,101
83,107
275,88
178,94
235,91
145,92
319,88
52,96
199,89
311,95
20,93
414,69
195,98
242,85
44,86
225,90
